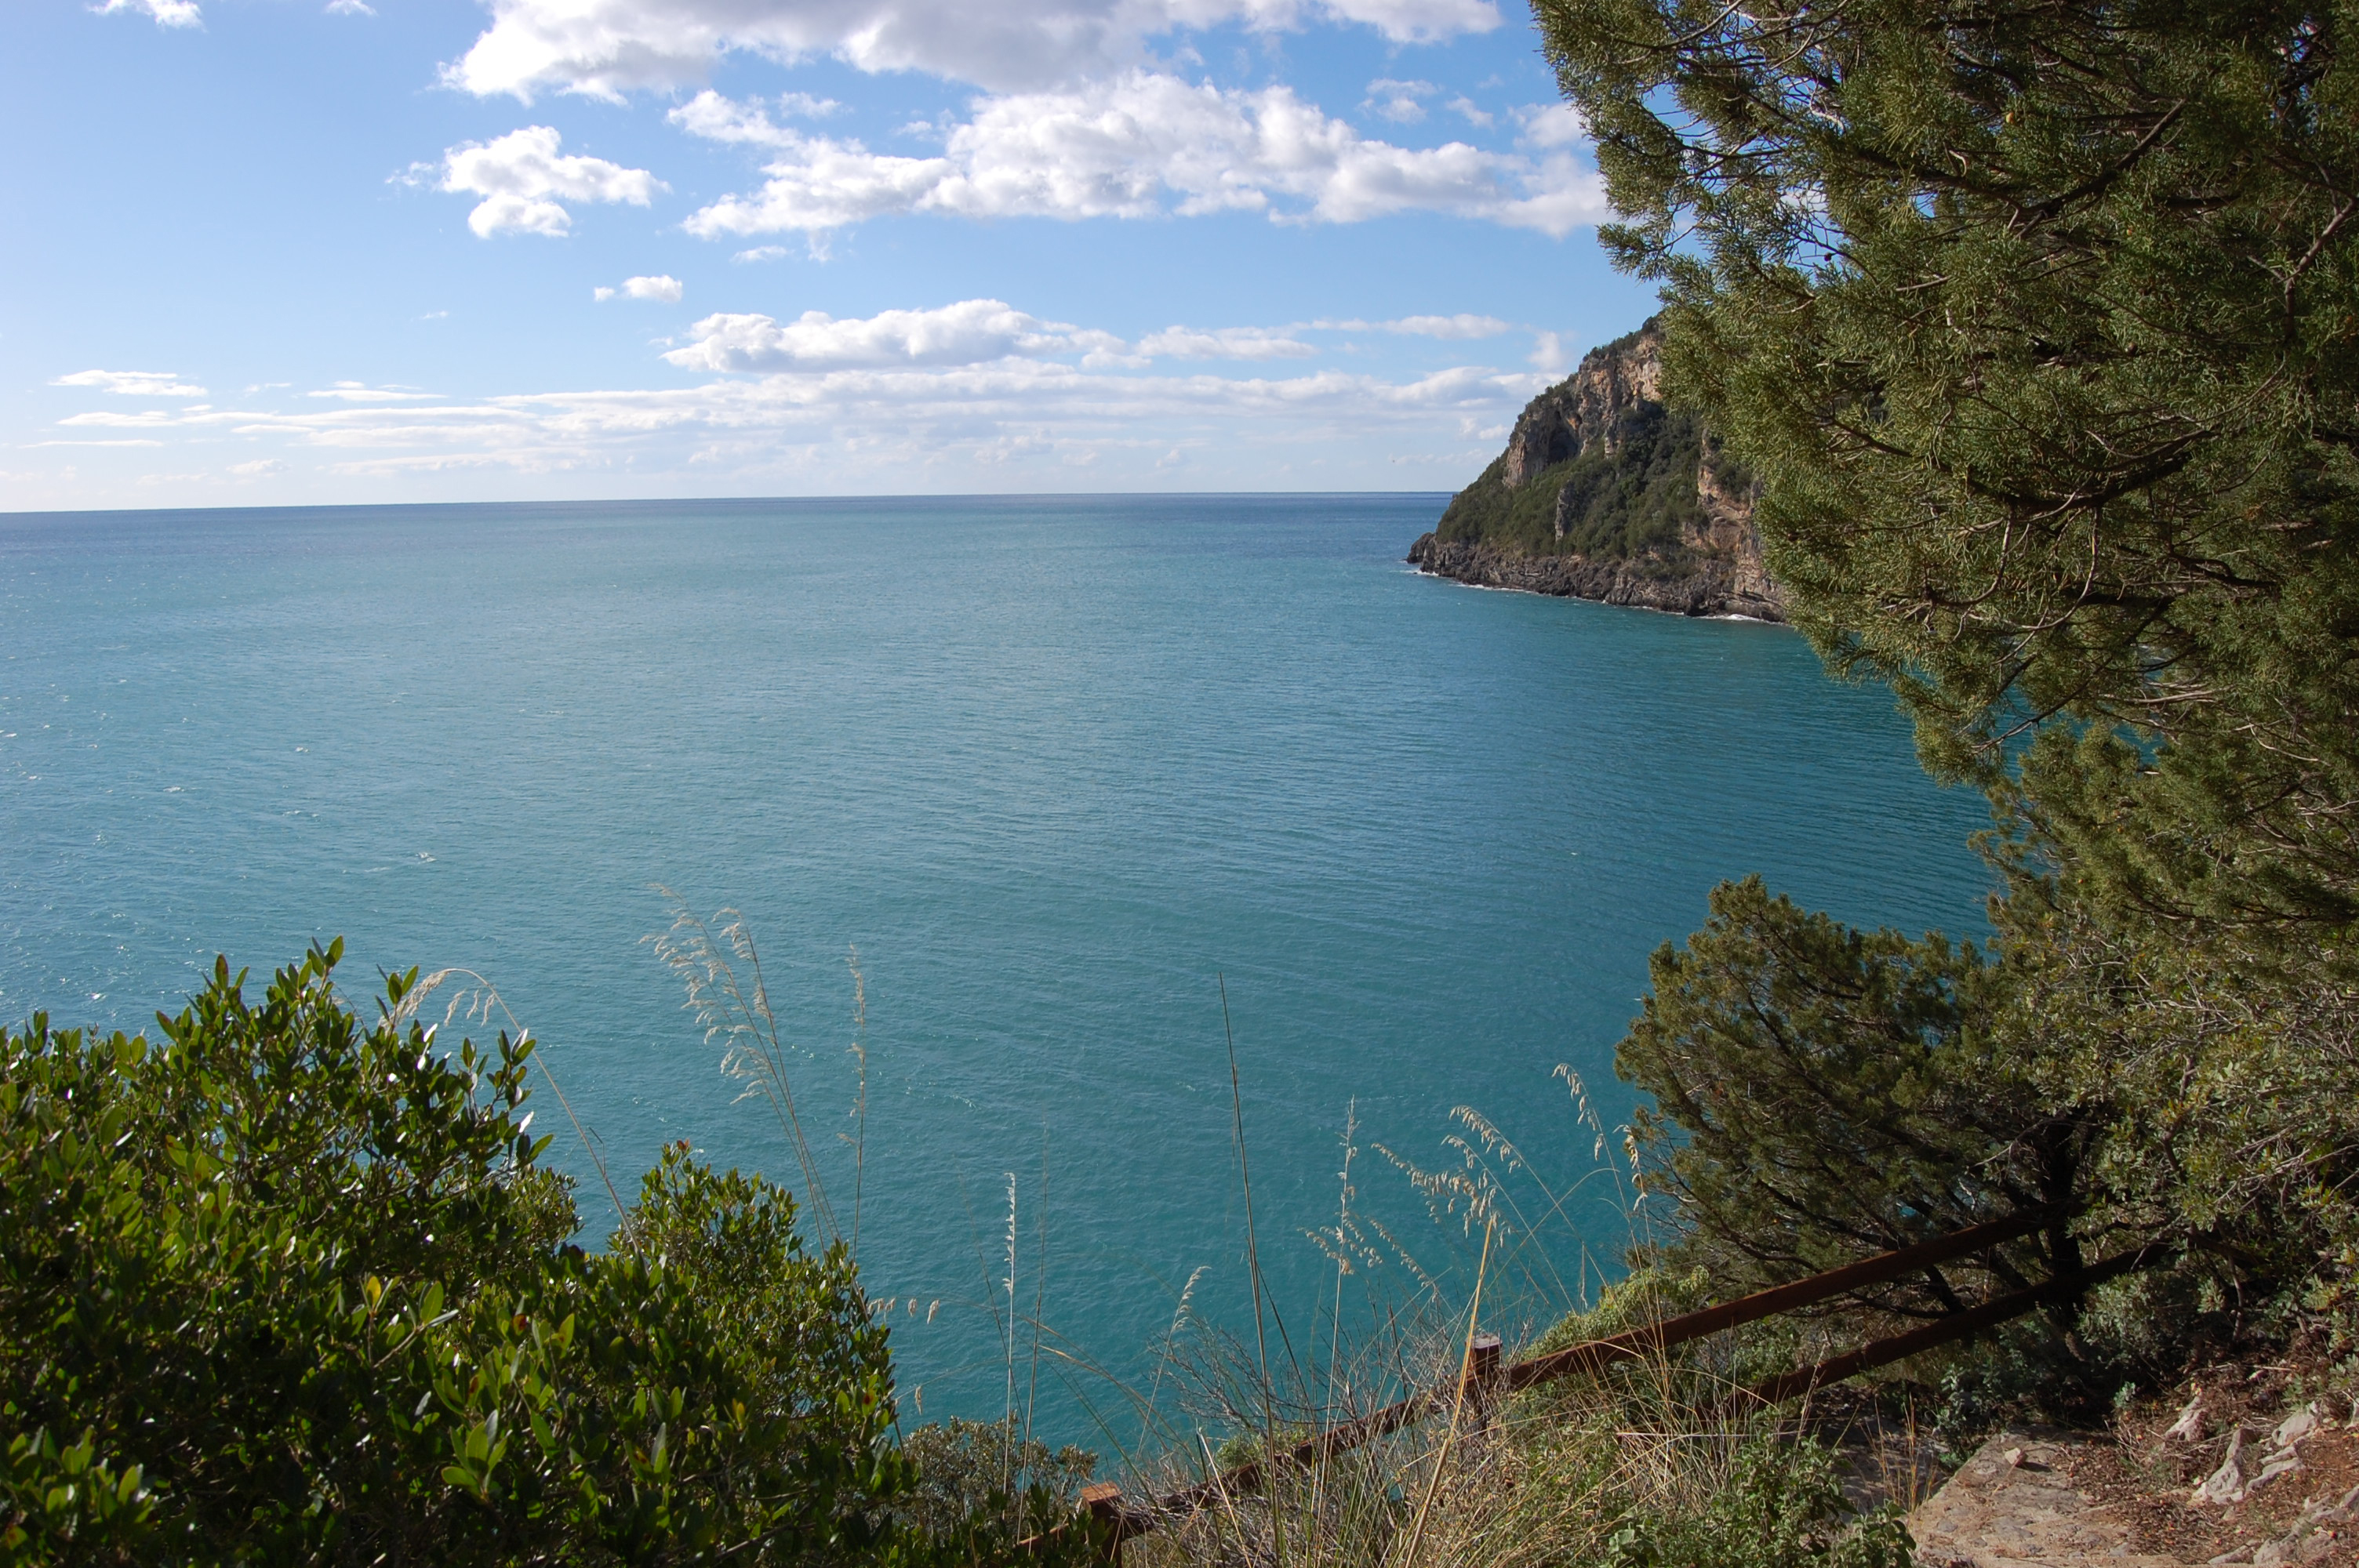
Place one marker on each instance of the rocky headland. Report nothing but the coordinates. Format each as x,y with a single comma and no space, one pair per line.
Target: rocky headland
1605,493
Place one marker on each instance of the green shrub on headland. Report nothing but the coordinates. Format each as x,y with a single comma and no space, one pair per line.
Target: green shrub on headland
284,1287
1630,495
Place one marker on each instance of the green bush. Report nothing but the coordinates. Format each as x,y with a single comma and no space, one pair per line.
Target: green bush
1821,1094
279,1286
974,1472
1781,1508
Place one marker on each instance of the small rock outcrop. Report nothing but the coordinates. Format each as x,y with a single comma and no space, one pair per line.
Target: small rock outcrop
2014,1503
1605,493
2056,1499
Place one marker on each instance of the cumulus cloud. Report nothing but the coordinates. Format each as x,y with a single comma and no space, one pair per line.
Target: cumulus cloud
168,13
720,119
1552,126
523,177
1222,344
1140,145
1398,101
973,331
132,383
607,47
660,287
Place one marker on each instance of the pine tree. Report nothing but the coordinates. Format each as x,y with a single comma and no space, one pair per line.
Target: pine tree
2039,322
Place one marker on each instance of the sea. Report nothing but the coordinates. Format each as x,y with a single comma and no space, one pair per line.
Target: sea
1186,871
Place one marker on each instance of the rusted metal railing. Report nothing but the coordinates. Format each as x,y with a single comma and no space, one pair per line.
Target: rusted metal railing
1482,1381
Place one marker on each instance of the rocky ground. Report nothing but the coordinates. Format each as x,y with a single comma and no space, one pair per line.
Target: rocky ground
2254,1466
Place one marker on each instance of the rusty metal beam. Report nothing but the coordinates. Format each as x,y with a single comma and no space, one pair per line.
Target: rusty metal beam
1483,1381
1657,1338
1957,1325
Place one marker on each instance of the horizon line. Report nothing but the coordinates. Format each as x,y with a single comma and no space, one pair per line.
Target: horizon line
1034,496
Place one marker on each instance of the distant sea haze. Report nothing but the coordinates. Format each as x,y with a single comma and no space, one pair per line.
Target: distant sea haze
1060,768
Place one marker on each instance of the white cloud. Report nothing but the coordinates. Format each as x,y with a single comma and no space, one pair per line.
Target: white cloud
1398,101
1550,354
822,184
973,331
660,287
1222,344
898,424
900,401
361,392
522,178
1416,21
1467,110
1552,126
168,13
607,47
720,119
1460,325
106,418
1142,144
349,8
132,383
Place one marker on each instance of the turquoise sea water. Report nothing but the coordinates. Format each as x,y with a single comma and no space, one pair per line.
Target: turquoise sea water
1054,765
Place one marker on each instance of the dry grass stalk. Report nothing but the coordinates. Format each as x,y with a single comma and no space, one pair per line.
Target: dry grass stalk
734,1010
475,999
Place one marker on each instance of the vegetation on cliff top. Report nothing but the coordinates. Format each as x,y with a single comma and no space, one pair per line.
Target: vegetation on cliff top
1628,495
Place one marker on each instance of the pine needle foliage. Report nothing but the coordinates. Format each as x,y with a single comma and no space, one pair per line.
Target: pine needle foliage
1823,1093
2034,321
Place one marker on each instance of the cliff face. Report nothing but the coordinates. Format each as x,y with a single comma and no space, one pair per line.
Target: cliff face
1605,493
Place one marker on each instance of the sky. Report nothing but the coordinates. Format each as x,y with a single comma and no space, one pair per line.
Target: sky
281,252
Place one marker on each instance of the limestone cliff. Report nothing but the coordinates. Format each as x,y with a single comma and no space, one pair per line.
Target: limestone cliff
1605,493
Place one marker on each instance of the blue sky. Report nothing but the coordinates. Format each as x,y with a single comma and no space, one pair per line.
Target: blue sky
258,252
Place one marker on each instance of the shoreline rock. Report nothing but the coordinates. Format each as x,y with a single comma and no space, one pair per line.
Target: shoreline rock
1709,587
1605,493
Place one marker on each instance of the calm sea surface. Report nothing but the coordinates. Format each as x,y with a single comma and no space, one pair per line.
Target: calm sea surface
1054,766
